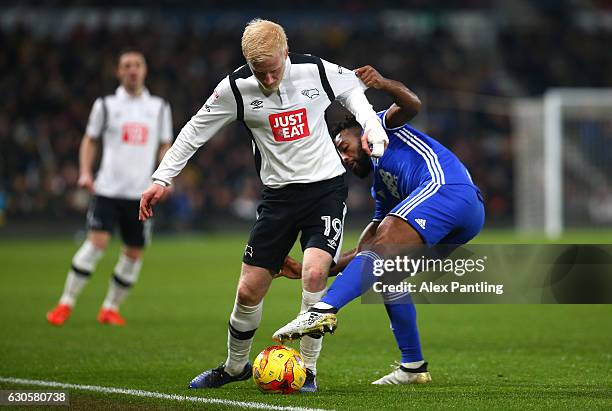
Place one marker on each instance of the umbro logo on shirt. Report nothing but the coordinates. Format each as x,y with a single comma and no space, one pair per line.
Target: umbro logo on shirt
421,222
311,93
256,104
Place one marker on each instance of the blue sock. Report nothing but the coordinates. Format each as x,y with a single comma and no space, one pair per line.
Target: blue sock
355,280
404,327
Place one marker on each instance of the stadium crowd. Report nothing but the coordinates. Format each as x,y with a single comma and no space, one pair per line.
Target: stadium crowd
48,83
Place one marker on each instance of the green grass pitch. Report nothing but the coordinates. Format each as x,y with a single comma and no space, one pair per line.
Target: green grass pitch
481,356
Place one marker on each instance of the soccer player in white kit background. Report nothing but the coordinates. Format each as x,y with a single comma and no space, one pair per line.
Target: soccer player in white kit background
281,98
135,129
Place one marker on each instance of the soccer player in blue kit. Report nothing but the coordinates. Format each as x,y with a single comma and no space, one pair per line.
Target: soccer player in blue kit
424,196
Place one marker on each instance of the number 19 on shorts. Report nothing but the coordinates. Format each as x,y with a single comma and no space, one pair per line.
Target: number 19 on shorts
335,225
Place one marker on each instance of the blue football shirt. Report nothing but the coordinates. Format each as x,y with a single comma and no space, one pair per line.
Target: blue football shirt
412,159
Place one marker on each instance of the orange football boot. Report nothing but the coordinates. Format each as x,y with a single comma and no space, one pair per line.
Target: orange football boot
111,317
59,315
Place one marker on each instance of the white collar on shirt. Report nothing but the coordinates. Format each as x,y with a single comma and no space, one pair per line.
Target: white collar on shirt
122,92
287,69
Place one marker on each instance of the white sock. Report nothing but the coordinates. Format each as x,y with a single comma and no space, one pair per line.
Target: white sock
83,264
323,306
310,347
243,323
125,275
73,287
413,365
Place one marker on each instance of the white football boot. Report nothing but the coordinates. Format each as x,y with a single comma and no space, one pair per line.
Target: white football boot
403,375
307,323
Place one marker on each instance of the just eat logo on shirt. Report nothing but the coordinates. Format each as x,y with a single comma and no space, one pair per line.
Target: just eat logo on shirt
134,133
289,126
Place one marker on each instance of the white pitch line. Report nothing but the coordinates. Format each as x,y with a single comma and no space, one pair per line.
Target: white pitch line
153,394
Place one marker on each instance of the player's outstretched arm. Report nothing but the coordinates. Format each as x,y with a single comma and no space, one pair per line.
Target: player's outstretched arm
218,111
349,91
406,104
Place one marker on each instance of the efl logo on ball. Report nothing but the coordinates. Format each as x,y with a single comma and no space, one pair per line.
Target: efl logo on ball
289,126
134,133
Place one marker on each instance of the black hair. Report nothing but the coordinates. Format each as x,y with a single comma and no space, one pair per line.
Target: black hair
349,122
128,50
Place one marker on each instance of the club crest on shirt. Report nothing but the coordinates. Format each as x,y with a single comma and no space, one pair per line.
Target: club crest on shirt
390,181
311,93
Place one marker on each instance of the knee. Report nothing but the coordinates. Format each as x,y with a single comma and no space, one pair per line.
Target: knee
247,295
99,239
314,278
133,253
395,231
253,285
383,235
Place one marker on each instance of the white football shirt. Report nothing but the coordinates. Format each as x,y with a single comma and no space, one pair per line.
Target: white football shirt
131,129
291,142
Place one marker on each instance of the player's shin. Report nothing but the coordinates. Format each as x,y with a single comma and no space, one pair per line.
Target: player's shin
310,347
355,280
402,313
83,264
243,323
124,277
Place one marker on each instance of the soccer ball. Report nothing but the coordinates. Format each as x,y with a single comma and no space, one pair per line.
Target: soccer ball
279,369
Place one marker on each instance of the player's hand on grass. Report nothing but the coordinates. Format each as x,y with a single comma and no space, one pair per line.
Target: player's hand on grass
86,182
154,194
291,269
370,77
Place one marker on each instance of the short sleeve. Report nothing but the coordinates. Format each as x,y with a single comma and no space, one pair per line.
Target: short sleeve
95,124
382,115
381,209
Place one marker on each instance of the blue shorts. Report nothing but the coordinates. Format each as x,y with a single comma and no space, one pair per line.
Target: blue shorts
443,214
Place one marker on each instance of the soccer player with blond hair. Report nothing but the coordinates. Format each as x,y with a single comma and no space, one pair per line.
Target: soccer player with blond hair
280,98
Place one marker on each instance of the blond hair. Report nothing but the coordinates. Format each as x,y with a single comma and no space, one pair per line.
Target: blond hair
262,39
